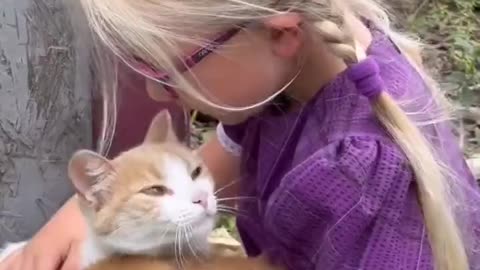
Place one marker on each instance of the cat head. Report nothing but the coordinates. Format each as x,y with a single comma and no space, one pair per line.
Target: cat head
149,199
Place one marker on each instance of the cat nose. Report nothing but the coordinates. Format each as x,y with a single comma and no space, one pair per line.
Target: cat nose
201,198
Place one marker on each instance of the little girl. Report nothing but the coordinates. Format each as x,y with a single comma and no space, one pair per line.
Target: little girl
339,130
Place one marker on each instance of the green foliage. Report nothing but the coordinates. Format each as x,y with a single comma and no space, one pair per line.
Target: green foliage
454,27
229,223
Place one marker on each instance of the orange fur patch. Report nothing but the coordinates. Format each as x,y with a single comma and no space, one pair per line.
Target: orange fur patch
135,170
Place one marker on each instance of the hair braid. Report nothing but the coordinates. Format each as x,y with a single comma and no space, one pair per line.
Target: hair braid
337,40
443,231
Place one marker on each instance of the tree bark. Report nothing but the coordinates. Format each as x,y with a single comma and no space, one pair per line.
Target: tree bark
44,112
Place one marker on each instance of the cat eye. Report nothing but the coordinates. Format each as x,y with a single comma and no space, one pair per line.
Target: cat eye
156,190
196,173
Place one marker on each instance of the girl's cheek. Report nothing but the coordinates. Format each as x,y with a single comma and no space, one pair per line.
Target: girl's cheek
225,116
156,92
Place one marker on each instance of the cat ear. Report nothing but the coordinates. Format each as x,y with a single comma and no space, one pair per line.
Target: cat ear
91,176
161,129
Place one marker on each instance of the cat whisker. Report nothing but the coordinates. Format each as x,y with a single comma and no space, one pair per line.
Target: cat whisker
203,253
189,238
228,212
226,186
177,250
237,198
165,231
194,241
182,258
231,212
226,207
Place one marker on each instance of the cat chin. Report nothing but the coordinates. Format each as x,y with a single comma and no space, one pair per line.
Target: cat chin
95,251
150,242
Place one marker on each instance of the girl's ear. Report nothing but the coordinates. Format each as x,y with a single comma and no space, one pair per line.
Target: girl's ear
91,175
285,33
161,129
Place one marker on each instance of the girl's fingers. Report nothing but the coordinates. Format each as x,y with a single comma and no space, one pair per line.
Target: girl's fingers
72,261
45,262
11,262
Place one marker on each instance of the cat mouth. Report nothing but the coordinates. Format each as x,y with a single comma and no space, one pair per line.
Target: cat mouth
211,212
207,216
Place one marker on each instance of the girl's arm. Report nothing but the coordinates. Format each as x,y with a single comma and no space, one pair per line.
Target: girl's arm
224,166
56,246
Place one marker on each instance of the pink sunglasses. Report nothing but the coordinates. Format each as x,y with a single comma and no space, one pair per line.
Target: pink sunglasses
189,62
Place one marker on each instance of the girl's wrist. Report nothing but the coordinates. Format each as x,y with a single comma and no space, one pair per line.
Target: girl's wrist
67,218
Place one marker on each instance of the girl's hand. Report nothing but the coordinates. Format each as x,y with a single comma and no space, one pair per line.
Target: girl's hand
55,247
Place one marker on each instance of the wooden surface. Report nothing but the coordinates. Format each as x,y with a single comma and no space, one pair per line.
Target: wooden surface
44,114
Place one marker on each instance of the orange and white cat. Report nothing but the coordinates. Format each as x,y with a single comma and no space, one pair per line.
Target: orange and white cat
156,199
151,208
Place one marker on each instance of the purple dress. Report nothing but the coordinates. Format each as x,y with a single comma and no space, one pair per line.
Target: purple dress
333,190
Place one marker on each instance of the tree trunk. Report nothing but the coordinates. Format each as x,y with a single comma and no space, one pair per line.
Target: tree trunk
44,114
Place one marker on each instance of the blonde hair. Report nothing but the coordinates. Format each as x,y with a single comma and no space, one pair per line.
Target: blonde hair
152,30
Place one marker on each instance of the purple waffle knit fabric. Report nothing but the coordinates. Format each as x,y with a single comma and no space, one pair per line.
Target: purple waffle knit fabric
333,191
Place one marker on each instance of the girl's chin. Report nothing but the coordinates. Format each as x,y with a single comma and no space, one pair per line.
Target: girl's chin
234,118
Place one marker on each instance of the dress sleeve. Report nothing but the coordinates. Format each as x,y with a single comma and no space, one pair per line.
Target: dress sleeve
349,199
230,137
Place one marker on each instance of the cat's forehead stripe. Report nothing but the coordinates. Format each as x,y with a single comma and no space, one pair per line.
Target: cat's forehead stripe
158,170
